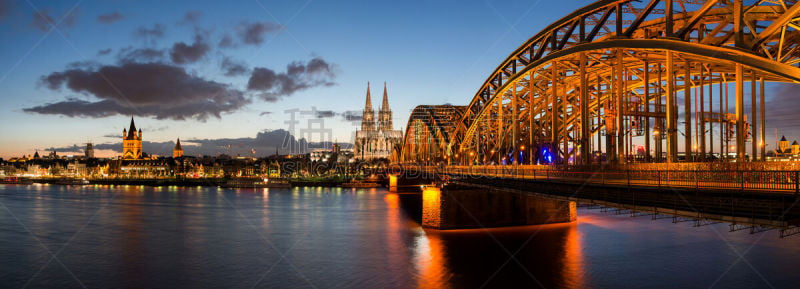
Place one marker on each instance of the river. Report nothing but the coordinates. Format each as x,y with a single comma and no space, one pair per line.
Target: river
207,237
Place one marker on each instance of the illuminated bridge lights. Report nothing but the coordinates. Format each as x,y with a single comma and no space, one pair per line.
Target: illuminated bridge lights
615,75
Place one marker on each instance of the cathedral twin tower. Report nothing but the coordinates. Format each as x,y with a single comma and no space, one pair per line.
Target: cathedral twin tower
372,143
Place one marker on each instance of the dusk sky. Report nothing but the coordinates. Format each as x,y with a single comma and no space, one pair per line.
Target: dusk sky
230,69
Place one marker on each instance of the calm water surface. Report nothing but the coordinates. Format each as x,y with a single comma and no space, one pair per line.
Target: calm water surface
144,237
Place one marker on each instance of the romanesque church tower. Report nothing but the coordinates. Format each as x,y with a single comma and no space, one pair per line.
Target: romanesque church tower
131,143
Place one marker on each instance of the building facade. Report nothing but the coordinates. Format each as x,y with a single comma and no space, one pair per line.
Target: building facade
376,140
131,143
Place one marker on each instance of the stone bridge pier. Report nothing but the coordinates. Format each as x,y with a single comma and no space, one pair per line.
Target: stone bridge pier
463,207
410,181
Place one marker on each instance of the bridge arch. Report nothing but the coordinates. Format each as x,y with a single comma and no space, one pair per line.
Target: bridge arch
429,131
589,83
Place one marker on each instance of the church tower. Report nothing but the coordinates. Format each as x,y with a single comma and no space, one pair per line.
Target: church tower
131,143
385,113
368,116
177,151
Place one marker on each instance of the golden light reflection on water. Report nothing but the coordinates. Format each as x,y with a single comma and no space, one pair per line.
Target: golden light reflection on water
430,260
573,270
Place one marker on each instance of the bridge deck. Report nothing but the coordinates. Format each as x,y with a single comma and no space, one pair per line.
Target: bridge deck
775,182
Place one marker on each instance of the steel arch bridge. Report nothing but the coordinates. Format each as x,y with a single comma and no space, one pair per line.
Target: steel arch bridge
584,87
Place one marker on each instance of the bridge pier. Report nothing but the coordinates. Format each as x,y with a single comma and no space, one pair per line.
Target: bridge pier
409,181
462,207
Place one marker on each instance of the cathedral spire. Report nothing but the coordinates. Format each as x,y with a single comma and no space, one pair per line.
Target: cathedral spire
368,105
368,116
385,114
385,104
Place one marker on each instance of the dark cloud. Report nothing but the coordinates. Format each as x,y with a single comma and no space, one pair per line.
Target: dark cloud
226,41
43,21
151,89
352,115
182,53
157,31
130,54
104,51
191,17
110,17
254,33
232,68
325,114
263,113
298,76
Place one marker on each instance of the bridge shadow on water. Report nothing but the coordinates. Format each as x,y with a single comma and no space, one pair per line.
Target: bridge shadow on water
547,256
605,248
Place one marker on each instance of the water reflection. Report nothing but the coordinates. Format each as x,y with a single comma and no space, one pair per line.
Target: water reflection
211,237
430,260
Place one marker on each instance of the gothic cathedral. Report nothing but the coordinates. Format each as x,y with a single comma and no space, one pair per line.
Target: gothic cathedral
376,143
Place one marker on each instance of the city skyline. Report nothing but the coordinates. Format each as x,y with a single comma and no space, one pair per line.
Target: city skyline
239,51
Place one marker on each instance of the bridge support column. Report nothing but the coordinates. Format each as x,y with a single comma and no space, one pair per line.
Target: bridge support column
621,100
585,157
762,123
740,134
687,112
672,114
753,116
646,71
701,133
470,207
554,112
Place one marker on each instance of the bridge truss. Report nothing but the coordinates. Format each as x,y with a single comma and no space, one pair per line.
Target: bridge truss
583,88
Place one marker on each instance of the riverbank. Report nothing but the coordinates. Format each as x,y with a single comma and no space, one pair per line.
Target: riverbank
194,182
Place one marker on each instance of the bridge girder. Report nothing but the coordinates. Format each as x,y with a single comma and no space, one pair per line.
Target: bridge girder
618,51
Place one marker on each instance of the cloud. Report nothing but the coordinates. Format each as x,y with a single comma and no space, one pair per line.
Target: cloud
232,68
110,17
152,89
263,113
325,114
264,143
43,21
157,31
191,17
130,54
226,41
352,115
182,53
104,51
298,76
253,33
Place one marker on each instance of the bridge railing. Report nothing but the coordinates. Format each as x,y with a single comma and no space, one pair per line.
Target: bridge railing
751,180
